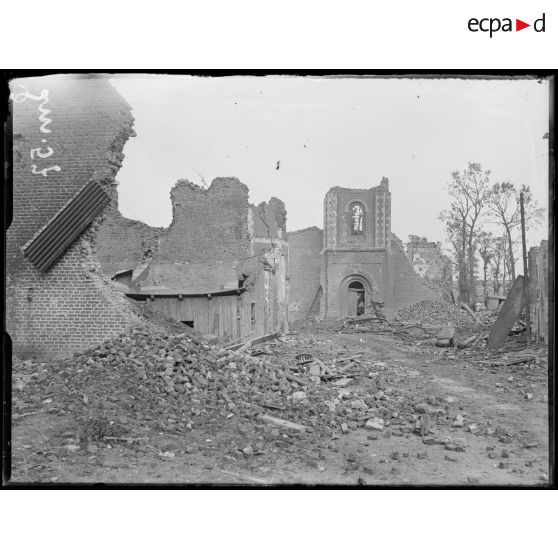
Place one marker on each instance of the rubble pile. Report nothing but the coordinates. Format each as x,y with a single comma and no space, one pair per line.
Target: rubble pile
144,383
166,380
434,313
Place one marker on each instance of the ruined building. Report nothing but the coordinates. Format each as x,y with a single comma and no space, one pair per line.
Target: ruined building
79,273
428,260
68,135
221,266
539,293
355,265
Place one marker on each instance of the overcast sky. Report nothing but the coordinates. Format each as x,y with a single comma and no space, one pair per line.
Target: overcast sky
331,132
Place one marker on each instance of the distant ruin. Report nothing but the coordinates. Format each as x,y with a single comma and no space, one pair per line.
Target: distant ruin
356,265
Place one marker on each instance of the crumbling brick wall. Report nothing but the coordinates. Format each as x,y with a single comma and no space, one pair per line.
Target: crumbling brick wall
267,224
124,243
208,224
408,286
350,256
269,220
332,259
428,261
67,130
305,247
212,225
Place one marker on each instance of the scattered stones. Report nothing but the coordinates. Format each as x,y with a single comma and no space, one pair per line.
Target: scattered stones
375,424
206,390
342,382
424,424
458,421
167,455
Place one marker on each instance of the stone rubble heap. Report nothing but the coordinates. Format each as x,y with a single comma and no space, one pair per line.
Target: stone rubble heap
145,382
434,313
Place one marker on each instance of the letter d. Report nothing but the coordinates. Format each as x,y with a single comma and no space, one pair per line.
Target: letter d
535,25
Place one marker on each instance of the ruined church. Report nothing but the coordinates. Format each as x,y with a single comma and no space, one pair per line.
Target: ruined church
355,265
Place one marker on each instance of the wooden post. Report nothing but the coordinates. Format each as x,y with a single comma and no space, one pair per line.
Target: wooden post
525,271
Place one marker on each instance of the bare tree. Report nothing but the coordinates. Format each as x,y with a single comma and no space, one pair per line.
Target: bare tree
499,255
503,207
486,242
468,192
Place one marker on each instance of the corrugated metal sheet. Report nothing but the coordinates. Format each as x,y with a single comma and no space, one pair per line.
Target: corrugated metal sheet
55,238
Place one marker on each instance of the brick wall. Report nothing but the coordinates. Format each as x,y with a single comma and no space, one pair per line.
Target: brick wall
359,257
428,261
208,224
71,306
269,219
124,243
212,225
376,257
369,267
408,286
305,247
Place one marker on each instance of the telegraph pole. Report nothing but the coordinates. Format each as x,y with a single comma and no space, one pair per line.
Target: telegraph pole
525,272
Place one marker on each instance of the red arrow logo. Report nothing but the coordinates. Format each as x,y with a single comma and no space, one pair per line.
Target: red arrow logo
519,25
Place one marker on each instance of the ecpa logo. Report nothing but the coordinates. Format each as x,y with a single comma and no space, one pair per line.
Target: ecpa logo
494,24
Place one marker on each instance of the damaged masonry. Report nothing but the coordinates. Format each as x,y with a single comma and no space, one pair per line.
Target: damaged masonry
226,349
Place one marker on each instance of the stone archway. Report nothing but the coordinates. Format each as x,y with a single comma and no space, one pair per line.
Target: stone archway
356,294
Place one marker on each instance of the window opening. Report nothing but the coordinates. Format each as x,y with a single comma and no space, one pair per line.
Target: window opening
357,219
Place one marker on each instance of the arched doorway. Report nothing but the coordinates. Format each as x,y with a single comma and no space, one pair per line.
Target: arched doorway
356,298
356,292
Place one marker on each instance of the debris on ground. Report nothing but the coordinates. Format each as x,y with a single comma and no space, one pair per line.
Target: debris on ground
170,394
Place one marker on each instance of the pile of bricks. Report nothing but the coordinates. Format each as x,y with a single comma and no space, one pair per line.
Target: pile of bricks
154,382
434,313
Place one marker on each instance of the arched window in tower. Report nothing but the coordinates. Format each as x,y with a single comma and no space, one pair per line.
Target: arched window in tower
357,218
